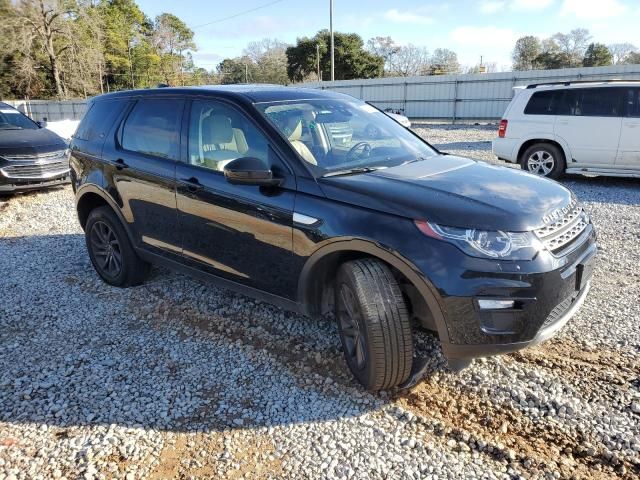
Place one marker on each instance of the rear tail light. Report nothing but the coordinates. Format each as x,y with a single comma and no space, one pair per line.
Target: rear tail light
502,129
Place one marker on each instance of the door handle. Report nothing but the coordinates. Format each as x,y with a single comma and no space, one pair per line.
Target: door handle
192,184
562,122
121,164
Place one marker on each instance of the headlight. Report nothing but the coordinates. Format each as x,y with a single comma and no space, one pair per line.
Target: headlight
483,243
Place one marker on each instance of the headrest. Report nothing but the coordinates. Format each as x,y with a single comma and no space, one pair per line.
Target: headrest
219,128
294,127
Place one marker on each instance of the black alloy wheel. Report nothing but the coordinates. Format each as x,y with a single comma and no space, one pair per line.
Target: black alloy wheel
106,249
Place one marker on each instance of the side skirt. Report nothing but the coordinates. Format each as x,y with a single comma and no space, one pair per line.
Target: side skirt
604,172
276,300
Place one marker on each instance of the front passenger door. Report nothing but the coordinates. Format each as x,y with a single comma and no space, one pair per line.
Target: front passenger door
242,233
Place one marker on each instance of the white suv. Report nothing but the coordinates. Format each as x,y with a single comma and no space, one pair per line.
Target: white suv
573,127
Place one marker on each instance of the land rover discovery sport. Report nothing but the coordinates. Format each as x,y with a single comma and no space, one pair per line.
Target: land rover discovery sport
244,185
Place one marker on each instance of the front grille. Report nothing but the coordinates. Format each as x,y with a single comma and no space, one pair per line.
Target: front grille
560,234
35,156
32,171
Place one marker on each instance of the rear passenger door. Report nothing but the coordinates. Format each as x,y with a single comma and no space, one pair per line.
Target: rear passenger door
589,120
140,171
629,150
242,233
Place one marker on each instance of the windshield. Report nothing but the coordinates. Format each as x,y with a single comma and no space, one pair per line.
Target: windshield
343,135
11,119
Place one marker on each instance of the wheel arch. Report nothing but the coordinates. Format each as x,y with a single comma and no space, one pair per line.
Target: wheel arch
321,267
564,148
90,197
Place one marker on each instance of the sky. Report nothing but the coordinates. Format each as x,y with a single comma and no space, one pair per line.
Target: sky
471,28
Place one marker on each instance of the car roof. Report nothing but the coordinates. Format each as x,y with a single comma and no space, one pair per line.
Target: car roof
254,93
580,84
6,105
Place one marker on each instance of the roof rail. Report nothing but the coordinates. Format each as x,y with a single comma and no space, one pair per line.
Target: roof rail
571,82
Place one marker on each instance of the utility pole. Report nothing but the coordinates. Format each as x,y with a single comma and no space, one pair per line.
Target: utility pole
333,74
246,73
318,61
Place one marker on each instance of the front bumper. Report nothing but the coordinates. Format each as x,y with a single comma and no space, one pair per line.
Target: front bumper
455,352
33,173
545,292
24,185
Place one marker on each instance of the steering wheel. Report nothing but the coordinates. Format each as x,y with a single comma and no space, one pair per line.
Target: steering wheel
359,150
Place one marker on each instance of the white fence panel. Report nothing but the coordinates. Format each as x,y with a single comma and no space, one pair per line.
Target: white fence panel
459,97
450,97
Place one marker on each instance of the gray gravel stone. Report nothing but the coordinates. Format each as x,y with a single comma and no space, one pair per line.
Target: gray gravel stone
179,377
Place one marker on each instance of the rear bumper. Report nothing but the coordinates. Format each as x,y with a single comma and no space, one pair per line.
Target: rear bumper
505,149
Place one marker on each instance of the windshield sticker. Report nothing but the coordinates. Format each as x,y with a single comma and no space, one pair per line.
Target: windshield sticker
6,110
368,108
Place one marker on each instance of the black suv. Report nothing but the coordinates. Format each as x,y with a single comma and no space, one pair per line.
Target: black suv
246,186
30,155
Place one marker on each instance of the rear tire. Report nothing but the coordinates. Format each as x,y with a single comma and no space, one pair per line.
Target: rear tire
110,250
374,325
544,159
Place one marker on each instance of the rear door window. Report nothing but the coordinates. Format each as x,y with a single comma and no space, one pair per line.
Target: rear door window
153,127
598,102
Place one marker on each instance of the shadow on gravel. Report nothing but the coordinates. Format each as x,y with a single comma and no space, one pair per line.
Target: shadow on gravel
482,145
172,354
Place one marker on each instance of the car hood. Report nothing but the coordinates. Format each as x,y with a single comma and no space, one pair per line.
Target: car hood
29,142
454,191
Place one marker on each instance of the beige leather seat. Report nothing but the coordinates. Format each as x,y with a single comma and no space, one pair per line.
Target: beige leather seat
221,143
295,127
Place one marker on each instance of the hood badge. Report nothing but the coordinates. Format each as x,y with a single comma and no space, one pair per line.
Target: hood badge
559,213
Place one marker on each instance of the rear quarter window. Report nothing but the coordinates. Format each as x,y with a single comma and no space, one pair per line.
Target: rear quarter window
99,118
543,103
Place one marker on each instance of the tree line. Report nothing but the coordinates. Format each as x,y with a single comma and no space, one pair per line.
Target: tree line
70,48
573,49
79,48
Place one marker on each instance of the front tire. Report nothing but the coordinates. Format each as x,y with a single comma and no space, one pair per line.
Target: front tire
374,325
110,250
544,159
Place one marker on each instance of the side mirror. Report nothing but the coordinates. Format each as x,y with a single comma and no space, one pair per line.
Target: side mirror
250,171
42,123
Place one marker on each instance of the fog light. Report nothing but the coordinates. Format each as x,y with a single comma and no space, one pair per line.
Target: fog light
495,304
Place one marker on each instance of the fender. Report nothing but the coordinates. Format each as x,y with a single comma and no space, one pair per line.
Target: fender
388,255
547,136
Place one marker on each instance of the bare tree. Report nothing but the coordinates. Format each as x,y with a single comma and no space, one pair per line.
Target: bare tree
410,60
444,61
269,59
45,21
620,51
386,48
573,44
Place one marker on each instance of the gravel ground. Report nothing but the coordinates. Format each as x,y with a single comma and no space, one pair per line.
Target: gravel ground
179,379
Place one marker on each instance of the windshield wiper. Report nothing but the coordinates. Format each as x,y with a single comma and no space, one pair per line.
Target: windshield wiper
351,171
